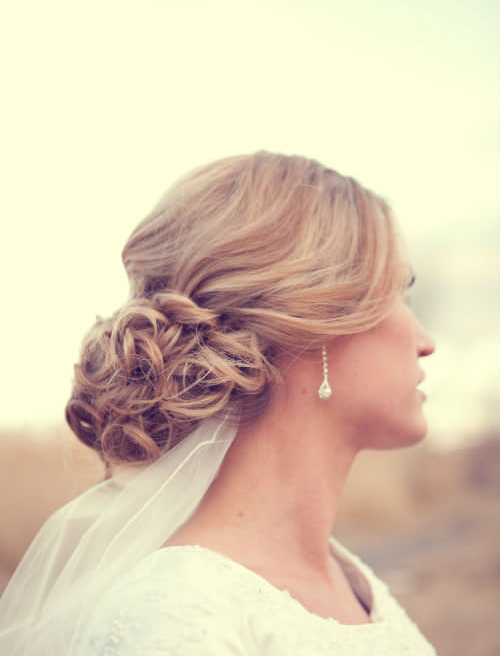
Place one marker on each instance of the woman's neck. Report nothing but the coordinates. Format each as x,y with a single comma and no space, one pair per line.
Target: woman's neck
277,493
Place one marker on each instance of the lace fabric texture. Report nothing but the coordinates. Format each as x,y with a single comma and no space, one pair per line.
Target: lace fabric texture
191,601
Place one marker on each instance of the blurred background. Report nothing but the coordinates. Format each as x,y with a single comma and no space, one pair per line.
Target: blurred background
105,103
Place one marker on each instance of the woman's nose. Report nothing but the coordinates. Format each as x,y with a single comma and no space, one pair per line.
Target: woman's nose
426,345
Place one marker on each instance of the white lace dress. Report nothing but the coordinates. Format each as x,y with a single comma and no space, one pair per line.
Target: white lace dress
191,601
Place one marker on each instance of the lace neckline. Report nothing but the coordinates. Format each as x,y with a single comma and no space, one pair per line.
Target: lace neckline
358,577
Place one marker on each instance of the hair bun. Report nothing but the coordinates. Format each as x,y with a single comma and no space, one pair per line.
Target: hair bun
151,373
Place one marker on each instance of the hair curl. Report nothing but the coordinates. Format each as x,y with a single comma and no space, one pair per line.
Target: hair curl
241,258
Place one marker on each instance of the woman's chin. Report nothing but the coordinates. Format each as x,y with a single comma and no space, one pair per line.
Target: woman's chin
403,437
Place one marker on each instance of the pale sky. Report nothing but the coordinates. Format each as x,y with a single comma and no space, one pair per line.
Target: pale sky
105,103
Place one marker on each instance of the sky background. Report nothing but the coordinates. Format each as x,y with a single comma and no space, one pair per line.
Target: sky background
105,103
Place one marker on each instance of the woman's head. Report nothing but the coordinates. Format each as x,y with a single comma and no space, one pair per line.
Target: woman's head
241,259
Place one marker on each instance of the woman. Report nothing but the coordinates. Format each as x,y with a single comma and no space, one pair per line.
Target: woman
265,343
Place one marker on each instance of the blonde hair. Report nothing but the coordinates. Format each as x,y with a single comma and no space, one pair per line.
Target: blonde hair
241,258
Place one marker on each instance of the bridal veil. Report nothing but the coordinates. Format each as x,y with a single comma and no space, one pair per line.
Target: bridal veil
101,534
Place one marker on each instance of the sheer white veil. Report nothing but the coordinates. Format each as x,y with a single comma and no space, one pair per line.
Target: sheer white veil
100,535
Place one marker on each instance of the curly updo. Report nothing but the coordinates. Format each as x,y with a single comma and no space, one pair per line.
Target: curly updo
241,259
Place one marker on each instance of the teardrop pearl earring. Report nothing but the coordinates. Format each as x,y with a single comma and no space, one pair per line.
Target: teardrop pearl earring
325,391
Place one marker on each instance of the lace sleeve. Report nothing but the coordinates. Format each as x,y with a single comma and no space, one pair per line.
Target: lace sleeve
148,615
176,633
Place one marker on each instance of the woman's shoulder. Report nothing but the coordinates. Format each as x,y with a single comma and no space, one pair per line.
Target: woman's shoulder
189,569
190,574
175,600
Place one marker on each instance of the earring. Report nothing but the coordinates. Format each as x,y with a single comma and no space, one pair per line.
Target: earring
325,391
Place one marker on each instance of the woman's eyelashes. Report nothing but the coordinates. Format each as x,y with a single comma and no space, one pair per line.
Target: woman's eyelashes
408,295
